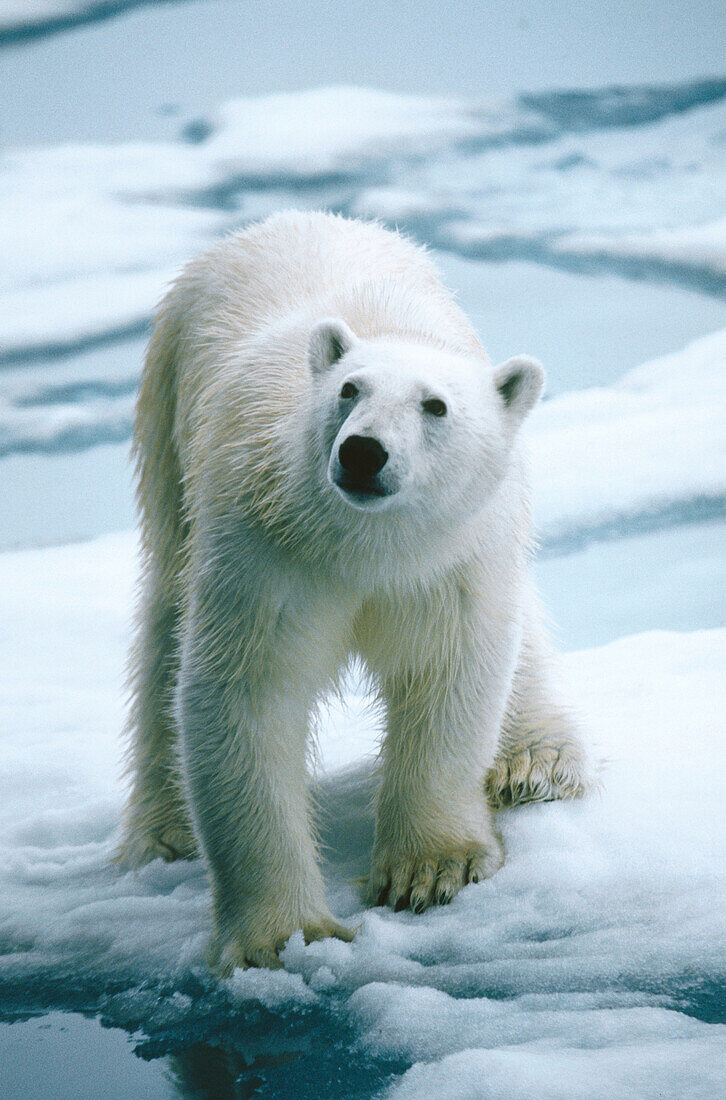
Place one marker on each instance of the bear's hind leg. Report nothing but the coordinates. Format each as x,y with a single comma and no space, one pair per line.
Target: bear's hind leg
536,768
156,821
540,756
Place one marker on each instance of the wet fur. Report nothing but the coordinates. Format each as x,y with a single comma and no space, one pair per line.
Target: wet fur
257,589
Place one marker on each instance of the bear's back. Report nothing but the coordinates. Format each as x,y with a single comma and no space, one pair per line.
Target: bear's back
296,262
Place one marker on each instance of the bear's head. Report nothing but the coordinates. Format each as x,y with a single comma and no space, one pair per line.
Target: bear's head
410,426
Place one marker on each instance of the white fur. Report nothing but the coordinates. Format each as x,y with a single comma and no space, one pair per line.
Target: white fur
263,574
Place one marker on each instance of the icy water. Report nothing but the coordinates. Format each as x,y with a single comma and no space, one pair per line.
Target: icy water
69,1056
666,580
36,1062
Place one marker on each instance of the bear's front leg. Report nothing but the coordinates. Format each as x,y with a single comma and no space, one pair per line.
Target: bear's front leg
247,684
444,704
434,831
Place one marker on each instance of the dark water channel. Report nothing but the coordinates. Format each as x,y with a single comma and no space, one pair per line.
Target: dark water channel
69,1056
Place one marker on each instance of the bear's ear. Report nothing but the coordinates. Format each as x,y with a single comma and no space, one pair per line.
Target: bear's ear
329,341
519,383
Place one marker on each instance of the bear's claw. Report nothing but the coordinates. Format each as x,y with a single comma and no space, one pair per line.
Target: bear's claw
536,773
168,844
419,883
226,955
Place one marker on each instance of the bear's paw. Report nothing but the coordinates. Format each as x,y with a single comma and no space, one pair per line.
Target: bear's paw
228,953
417,882
537,773
169,845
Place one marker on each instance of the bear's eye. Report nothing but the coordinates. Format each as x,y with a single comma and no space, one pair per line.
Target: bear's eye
348,391
434,406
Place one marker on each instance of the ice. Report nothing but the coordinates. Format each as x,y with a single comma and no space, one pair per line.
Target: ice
701,246
652,444
667,1066
606,178
87,251
66,426
342,130
603,933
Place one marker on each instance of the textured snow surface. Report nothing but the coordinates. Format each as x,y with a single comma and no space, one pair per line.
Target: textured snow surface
675,1063
602,935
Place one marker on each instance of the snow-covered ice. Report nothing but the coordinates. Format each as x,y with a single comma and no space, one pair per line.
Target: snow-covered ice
652,442
562,178
603,932
701,246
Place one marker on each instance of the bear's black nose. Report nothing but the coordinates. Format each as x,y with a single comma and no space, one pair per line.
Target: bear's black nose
362,456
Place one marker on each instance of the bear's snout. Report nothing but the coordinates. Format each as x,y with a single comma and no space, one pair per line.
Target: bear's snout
355,471
362,457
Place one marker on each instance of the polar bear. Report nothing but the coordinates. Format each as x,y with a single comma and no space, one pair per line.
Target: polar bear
329,466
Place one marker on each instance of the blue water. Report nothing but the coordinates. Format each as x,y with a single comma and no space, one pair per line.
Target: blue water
666,580
298,1056
66,1056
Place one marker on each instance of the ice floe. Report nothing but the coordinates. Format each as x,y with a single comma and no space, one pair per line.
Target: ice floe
602,935
569,179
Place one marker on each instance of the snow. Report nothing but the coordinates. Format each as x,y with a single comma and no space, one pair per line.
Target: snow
87,249
671,1065
48,320
652,442
702,246
602,935
338,130
564,178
